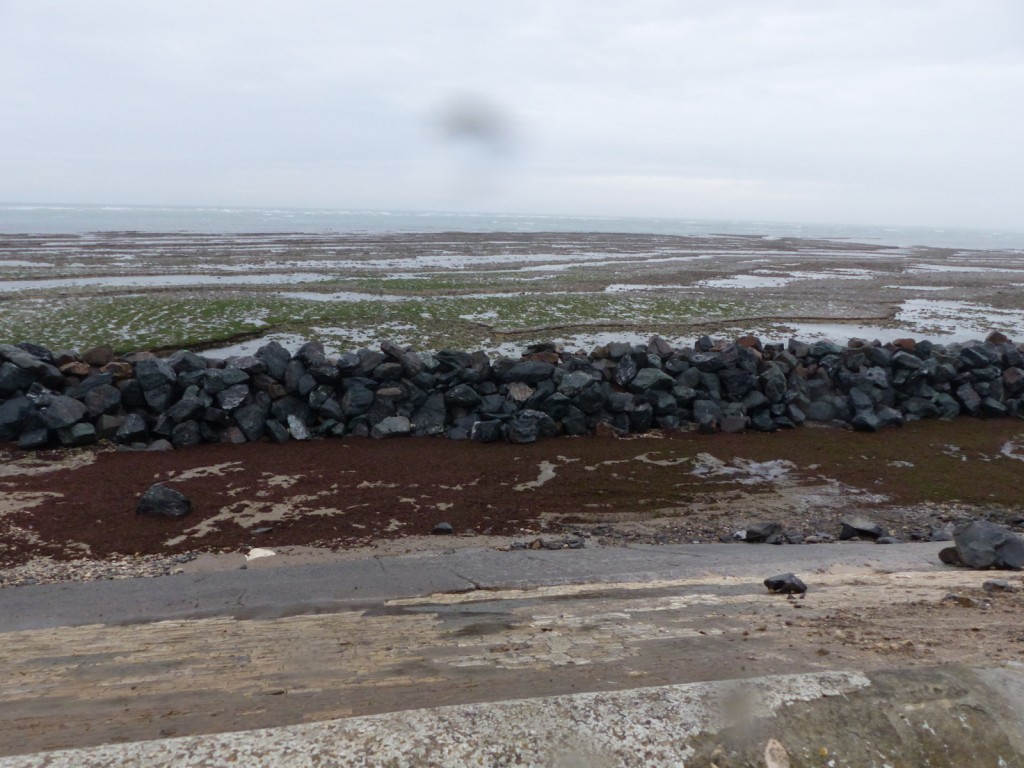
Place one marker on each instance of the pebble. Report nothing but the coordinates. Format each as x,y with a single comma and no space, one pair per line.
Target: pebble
46,570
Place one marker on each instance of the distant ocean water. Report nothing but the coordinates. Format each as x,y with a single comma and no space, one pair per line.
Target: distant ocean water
18,218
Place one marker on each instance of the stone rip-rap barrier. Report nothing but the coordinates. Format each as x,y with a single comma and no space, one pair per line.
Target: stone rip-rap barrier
63,398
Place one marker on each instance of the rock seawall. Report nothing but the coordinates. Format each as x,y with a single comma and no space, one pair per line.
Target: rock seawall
63,398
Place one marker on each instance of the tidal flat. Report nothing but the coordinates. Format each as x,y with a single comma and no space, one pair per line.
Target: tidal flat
500,292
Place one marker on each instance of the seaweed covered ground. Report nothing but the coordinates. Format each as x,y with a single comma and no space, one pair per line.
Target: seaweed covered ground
366,495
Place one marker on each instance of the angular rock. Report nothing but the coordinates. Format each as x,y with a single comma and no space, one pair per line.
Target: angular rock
862,527
98,356
161,501
785,584
105,398
528,372
13,414
651,378
133,430
233,397
14,379
392,426
998,585
297,427
34,439
429,418
758,533
527,426
154,373
251,419
981,544
186,434
62,412
486,431
77,435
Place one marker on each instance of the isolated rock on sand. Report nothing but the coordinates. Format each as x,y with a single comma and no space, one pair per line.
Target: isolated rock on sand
998,585
161,501
981,544
785,584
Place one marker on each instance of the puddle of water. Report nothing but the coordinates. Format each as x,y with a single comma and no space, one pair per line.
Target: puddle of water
1014,449
28,264
289,341
159,281
925,268
742,471
629,287
352,296
747,281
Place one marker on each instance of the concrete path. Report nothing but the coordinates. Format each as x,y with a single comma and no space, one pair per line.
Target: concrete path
263,591
487,657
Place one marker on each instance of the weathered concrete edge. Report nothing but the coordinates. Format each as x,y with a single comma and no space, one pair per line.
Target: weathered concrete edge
664,725
337,586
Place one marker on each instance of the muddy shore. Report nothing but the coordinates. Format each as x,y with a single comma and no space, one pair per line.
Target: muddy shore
77,508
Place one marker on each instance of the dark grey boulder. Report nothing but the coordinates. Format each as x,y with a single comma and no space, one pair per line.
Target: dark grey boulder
392,426
442,529
13,414
107,426
528,372
486,431
187,408
34,439
860,526
626,370
529,425
785,584
297,427
969,399
758,533
105,398
357,400
429,418
251,419
133,430
462,395
233,396
820,410
154,373
275,358
14,379
981,544
62,412
651,378
186,434
277,432
159,398
77,435
998,585
161,501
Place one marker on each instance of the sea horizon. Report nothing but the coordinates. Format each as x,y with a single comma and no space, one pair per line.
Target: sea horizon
20,218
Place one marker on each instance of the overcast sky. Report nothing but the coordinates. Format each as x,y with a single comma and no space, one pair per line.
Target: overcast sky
866,111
